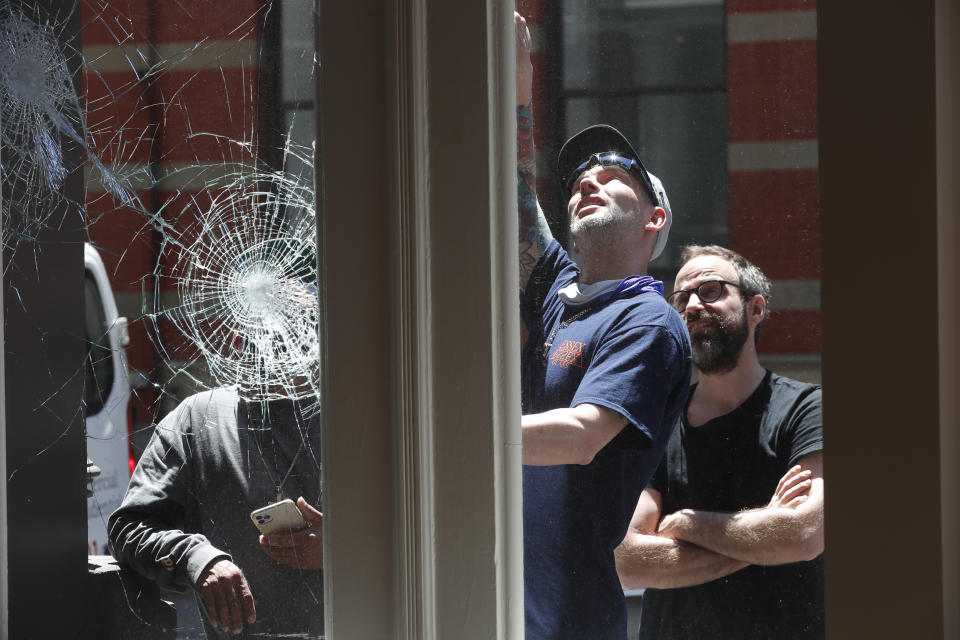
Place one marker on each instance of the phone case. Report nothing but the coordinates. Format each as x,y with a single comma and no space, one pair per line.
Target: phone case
279,517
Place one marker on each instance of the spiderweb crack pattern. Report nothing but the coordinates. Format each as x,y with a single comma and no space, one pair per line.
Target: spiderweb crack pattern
37,98
246,284
243,272
38,107
40,111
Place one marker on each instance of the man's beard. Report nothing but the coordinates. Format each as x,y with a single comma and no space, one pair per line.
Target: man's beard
600,228
719,351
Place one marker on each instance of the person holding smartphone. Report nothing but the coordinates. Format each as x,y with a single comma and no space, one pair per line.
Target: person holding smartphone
185,521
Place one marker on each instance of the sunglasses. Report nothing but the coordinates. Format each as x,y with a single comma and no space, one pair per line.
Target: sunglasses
613,160
709,291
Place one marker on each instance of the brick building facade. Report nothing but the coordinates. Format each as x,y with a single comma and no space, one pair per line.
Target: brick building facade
769,81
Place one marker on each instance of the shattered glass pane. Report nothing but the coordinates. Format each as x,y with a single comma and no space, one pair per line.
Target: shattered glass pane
196,125
244,269
38,109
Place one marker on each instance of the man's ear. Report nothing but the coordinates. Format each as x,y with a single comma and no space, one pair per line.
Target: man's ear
756,307
658,218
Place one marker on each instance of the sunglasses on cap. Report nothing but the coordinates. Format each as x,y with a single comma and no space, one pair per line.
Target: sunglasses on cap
709,291
611,159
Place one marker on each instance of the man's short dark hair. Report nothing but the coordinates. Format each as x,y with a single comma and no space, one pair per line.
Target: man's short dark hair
753,282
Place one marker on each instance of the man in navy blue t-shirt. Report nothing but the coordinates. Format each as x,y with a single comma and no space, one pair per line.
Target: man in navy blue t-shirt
606,367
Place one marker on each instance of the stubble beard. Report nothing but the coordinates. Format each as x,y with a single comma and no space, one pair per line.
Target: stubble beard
600,229
719,351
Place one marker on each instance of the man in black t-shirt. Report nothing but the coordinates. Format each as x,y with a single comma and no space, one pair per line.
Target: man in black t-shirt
728,535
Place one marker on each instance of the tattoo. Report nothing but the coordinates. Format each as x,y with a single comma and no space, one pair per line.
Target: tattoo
534,232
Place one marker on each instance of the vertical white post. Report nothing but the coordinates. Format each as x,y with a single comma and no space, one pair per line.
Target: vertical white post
505,320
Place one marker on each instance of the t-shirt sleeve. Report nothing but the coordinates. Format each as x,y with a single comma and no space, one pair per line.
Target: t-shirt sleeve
636,372
805,426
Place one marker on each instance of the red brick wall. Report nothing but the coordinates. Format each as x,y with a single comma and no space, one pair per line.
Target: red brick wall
137,117
772,133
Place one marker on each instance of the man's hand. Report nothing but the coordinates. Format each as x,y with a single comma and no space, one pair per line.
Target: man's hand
226,595
672,525
524,65
301,549
793,488
792,491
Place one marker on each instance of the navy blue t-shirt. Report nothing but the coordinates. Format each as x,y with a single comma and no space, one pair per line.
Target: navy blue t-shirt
631,355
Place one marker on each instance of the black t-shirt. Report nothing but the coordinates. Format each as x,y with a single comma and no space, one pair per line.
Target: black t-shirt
731,463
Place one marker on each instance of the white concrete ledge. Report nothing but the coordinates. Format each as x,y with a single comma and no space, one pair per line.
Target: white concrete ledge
772,155
772,26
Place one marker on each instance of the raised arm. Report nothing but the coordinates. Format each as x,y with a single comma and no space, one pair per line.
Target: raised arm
789,529
645,559
534,232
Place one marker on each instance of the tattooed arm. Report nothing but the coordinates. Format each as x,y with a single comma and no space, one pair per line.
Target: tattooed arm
534,232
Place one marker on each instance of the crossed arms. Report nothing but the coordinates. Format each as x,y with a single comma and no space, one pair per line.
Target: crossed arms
693,546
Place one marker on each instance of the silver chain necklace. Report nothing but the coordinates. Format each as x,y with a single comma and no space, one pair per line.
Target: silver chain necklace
266,467
563,325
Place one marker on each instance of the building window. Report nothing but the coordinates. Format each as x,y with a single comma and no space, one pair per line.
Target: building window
655,70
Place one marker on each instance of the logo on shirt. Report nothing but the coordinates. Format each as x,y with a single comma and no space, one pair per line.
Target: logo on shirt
568,354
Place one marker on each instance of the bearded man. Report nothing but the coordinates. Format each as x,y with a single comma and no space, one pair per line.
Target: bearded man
739,553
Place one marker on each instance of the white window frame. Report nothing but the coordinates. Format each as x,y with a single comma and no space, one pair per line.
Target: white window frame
422,471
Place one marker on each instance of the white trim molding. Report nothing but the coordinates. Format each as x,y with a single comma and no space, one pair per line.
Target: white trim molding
414,549
422,474
505,321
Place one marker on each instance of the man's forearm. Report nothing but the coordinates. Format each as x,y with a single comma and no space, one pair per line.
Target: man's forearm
663,563
534,233
554,437
768,536
568,436
166,555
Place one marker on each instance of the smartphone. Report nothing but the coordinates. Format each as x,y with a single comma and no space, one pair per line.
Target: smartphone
279,517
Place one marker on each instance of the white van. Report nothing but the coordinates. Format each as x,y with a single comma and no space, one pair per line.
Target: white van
106,395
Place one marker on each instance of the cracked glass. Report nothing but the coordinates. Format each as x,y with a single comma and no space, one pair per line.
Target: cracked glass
178,140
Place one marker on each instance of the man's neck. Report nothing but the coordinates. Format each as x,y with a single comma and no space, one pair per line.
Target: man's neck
614,265
718,394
